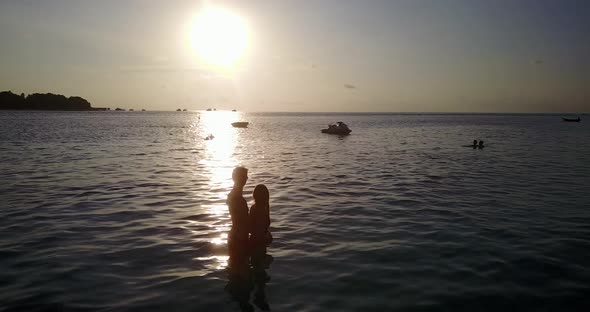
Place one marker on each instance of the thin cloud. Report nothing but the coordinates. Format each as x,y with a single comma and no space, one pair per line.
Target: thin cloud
204,74
161,69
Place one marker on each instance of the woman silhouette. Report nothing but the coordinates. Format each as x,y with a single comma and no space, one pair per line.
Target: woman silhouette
260,236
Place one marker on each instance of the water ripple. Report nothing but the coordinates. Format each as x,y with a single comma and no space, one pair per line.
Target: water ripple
127,211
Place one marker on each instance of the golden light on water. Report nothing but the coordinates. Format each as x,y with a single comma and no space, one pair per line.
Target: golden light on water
219,159
220,261
218,162
216,209
219,36
221,240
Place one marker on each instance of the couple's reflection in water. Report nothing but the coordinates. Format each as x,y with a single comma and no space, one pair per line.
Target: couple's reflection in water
248,288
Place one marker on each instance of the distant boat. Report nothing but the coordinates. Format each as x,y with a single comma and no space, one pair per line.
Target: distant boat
233,110
240,124
179,110
143,109
131,109
119,109
571,119
184,110
208,109
339,128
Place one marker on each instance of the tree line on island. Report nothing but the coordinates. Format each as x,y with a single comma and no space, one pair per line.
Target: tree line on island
54,102
44,101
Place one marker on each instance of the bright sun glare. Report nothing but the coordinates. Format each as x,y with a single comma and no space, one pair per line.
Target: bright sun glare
219,36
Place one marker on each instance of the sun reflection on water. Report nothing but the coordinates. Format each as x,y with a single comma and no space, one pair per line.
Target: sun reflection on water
220,261
218,162
221,240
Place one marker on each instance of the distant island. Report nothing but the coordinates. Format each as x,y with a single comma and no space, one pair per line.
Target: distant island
45,101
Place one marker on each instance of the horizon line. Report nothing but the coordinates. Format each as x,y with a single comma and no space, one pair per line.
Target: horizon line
311,112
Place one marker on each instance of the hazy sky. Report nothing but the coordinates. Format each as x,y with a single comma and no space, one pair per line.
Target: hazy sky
342,55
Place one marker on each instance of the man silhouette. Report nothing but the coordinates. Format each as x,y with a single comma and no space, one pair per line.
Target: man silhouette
238,235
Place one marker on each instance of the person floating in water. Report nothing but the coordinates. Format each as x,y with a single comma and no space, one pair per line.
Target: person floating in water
238,235
474,145
480,146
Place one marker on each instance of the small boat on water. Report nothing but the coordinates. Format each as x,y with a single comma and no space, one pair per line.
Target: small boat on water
571,119
240,124
339,128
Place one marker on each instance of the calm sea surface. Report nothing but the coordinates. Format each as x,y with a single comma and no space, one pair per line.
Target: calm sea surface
107,211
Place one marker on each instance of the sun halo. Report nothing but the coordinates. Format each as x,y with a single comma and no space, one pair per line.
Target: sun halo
219,37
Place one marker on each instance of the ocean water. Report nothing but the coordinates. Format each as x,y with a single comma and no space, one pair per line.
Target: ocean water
108,211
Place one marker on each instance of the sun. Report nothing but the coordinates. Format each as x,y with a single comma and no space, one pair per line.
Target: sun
219,37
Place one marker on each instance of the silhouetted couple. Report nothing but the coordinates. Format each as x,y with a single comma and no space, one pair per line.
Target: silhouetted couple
247,241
